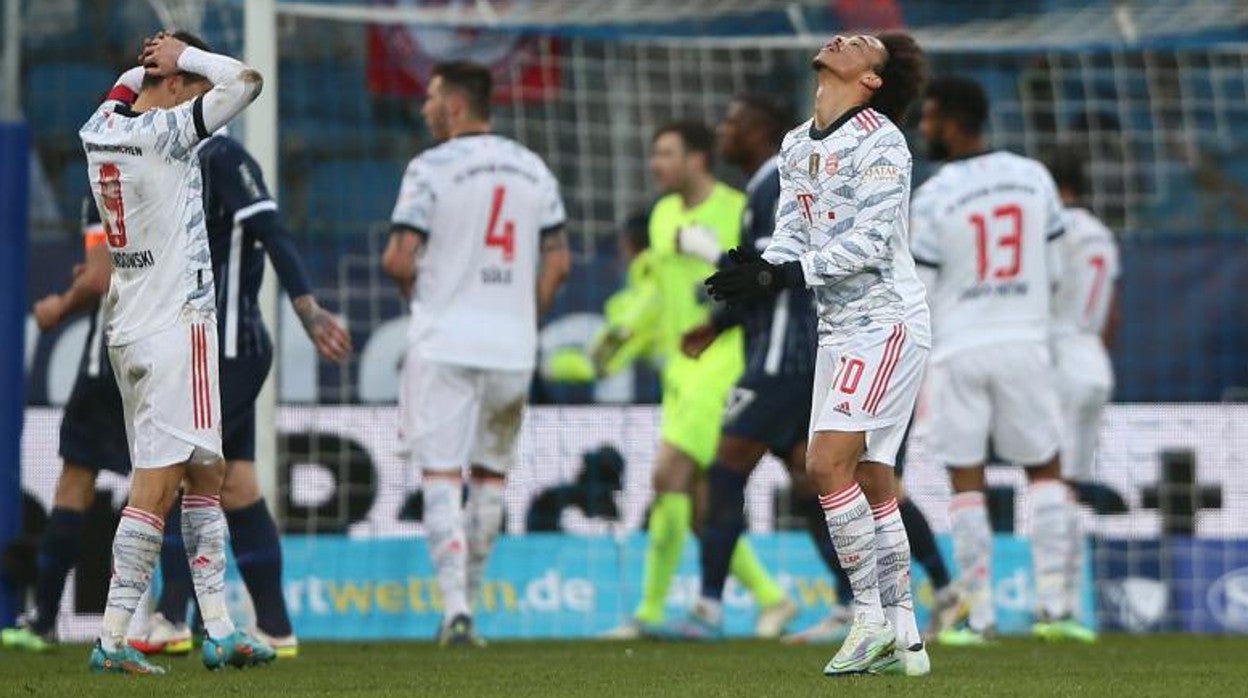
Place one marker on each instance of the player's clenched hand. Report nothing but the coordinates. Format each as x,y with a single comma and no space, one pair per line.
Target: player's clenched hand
48,312
160,55
752,278
695,341
328,335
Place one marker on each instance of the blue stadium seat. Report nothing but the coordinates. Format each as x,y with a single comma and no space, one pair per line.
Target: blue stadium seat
59,97
353,192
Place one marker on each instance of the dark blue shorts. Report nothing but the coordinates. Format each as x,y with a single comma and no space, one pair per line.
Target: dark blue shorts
774,410
241,380
93,426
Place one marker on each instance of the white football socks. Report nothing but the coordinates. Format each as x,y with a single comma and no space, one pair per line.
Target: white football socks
485,521
972,551
853,535
203,532
444,527
136,548
893,565
1052,545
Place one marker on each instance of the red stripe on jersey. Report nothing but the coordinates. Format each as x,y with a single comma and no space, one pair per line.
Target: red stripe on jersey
879,386
194,379
204,384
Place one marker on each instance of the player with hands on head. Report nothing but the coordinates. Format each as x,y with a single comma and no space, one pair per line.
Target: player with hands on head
160,326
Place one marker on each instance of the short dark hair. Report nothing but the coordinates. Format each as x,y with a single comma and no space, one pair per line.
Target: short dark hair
773,114
190,40
696,136
472,80
903,76
1067,168
962,100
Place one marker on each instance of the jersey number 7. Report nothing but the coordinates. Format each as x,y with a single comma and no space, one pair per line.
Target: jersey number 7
507,239
110,193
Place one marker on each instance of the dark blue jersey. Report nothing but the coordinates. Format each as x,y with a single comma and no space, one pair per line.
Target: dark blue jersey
242,223
781,336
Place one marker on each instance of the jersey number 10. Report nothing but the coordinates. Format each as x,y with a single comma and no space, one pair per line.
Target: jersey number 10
110,193
1011,240
507,239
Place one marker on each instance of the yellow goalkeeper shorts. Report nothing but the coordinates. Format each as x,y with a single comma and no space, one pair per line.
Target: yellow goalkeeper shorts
695,394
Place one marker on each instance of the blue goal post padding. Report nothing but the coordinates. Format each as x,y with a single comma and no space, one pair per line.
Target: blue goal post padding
14,187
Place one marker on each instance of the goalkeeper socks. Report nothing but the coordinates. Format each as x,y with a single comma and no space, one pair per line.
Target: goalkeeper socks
136,546
175,576
203,531
58,553
1052,544
972,551
670,517
724,525
893,565
749,570
485,520
258,552
444,526
852,531
810,510
923,544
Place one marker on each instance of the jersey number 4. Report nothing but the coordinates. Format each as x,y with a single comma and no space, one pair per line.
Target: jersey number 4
110,194
507,239
1007,235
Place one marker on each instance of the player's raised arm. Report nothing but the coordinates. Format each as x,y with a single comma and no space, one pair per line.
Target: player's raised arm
234,84
127,87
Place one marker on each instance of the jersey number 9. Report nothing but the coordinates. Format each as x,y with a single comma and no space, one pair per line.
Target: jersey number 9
110,193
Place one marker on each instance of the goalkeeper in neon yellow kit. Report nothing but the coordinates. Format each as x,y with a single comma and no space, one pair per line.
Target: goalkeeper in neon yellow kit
663,301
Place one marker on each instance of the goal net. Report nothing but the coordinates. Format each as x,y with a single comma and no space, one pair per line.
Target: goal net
1153,93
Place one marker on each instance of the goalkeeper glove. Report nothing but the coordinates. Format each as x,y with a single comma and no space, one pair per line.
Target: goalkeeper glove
753,278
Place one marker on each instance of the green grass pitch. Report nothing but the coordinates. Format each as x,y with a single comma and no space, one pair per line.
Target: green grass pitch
1173,666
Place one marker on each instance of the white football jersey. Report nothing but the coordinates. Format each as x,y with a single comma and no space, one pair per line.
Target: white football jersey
844,197
146,182
1089,268
984,224
482,202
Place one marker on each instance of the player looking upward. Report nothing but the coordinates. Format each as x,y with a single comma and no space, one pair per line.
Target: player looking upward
841,231
243,226
160,326
695,390
1086,317
985,229
478,244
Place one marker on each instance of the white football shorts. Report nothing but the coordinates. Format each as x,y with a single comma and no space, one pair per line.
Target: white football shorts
170,394
1085,381
453,416
869,383
1004,391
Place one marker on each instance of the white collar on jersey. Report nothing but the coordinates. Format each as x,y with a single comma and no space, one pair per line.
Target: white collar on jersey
763,173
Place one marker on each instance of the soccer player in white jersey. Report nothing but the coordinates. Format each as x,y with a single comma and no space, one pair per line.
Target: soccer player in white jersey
477,244
985,231
841,230
160,327
1086,316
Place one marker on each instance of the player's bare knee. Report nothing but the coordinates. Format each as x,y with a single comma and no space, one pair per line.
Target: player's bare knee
205,479
877,481
240,488
739,455
75,488
1051,470
967,479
